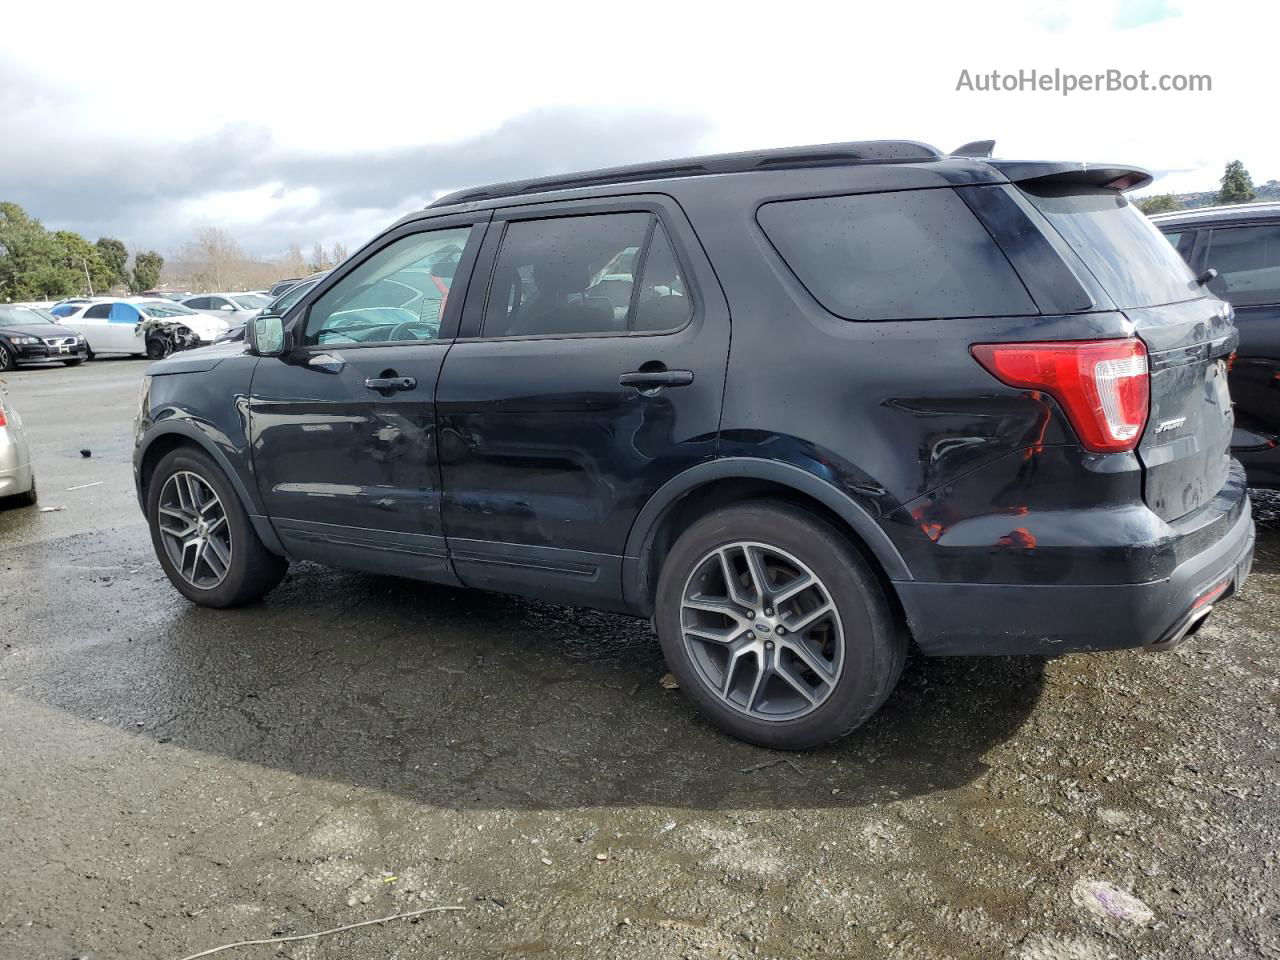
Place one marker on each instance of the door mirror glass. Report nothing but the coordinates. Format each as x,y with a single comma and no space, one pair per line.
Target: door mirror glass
266,335
227,307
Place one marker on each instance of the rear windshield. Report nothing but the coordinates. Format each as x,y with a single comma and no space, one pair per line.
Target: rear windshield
1122,248
901,255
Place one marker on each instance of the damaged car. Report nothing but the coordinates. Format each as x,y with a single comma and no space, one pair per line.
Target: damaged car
153,328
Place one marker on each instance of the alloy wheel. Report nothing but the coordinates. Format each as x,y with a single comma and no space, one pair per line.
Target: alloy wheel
762,631
194,530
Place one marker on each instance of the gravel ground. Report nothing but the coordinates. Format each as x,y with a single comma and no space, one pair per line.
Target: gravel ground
176,778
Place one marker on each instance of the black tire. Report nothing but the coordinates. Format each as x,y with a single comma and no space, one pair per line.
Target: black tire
88,353
8,359
157,349
875,641
73,363
29,498
253,571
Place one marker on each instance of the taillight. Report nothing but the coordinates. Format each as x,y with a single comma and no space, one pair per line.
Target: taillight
1103,385
3,421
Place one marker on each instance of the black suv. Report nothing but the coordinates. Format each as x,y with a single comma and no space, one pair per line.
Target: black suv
799,407
1241,243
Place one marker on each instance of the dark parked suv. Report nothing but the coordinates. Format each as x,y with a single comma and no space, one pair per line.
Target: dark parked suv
800,407
1242,244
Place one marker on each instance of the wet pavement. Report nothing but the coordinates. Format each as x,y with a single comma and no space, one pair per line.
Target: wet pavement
173,778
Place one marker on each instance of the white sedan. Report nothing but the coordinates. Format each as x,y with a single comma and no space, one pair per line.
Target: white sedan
150,327
233,307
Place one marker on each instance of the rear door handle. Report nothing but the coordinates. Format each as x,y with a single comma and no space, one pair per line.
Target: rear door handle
649,379
389,384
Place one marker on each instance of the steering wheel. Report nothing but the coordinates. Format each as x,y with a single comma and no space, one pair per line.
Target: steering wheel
403,331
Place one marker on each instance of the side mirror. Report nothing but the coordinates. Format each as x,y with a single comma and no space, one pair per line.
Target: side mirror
227,307
266,336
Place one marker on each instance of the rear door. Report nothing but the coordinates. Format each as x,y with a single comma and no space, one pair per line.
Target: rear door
1188,333
590,372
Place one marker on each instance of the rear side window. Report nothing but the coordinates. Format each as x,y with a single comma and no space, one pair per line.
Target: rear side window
903,255
1248,263
597,273
1122,248
99,311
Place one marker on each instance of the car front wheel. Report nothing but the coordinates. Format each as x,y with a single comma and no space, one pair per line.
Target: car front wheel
202,535
776,627
7,359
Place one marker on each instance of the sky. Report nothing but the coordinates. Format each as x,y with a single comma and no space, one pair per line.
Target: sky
283,123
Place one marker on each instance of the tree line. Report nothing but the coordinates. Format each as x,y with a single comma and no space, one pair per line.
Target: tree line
41,264
213,260
1236,186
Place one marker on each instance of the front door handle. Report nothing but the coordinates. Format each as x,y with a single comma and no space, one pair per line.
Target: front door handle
651,379
390,384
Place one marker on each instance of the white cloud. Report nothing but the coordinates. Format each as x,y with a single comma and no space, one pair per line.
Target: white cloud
392,78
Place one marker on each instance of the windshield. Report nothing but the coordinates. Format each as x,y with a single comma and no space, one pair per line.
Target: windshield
165,308
250,301
1122,248
282,304
15,315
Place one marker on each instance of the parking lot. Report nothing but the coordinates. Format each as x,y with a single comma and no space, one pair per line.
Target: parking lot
175,778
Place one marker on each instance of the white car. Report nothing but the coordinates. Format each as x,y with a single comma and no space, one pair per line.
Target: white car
141,327
233,307
17,478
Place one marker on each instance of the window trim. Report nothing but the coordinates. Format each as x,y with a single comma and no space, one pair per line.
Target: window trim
662,211
298,315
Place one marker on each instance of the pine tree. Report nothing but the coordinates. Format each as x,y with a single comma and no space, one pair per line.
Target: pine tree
1237,185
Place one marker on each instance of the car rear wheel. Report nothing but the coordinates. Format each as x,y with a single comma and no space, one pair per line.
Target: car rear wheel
202,535
776,627
29,498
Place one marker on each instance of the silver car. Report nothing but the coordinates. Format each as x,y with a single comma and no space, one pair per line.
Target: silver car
17,478
232,307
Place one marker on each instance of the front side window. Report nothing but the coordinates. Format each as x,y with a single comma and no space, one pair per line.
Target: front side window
902,255
250,301
577,275
1248,263
124,313
398,294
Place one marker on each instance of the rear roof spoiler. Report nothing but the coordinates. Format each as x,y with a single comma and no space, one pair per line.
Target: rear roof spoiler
1112,175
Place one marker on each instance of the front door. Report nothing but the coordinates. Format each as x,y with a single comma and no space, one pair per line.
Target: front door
343,428
589,373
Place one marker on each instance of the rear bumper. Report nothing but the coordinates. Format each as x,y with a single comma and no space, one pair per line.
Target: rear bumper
951,619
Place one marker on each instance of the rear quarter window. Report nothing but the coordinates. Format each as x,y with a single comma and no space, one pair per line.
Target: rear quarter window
902,255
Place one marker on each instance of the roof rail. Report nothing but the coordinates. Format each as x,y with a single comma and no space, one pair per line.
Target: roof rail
831,154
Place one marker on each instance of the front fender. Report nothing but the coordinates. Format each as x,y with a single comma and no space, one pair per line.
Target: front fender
209,439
